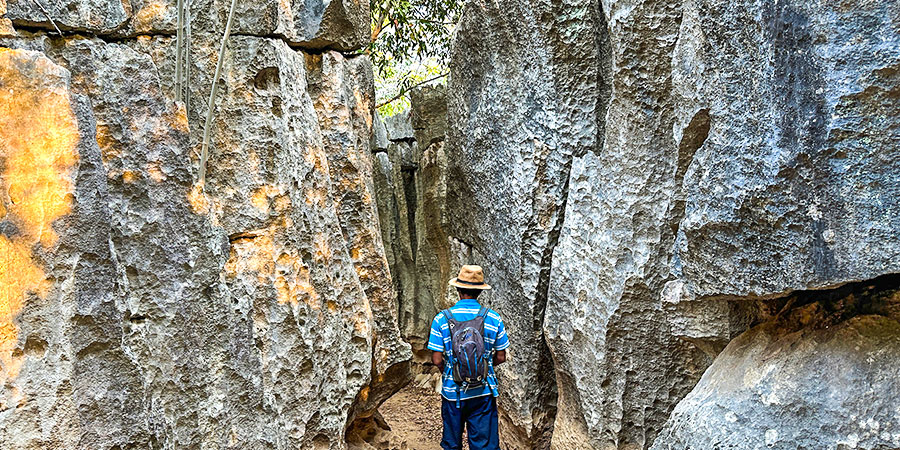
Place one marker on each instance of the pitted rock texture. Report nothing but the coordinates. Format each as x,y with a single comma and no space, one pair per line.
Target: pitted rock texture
620,367
797,183
701,152
343,91
411,185
813,378
257,313
523,100
315,24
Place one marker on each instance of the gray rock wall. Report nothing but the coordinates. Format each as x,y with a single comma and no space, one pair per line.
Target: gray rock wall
523,101
620,367
645,181
796,184
411,185
139,311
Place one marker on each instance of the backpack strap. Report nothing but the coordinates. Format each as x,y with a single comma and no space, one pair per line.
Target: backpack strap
450,319
449,315
487,355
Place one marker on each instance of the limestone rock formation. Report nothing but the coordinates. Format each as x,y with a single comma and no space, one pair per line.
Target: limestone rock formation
141,311
336,24
797,183
411,184
516,119
620,366
814,378
646,180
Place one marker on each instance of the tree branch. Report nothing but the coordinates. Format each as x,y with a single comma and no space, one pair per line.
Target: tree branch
380,25
404,91
416,19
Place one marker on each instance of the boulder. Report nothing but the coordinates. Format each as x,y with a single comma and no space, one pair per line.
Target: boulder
812,379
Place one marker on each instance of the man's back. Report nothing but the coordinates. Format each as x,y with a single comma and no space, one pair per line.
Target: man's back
495,339
466,407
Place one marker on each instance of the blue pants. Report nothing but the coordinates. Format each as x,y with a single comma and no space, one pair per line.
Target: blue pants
479,415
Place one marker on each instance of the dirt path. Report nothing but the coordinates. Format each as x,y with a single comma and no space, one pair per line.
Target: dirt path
414,415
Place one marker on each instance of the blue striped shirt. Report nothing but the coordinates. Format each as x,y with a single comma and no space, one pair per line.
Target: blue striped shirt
494,339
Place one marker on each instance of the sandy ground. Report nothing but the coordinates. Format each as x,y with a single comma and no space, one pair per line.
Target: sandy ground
414,415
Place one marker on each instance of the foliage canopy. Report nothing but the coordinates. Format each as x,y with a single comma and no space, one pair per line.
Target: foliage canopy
410,45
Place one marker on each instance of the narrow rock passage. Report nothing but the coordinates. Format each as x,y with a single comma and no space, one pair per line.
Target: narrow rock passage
414,415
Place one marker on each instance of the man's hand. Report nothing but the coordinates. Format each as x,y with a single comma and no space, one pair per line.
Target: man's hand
499,357
437,358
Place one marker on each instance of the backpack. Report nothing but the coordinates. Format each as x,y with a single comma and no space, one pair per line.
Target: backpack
468,358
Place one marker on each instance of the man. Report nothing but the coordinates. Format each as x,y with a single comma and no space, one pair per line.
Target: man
474,404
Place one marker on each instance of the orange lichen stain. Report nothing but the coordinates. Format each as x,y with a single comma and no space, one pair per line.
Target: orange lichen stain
260,200
150,13
155,172
130,176
363,273
315,157
316,197
38,138
362,325
349,184
332,306
364,394
260,254
260,197
179,120
110,148
18,276
365,106
323,250
282,203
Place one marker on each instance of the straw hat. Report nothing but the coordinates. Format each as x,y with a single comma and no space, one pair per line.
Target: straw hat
470,277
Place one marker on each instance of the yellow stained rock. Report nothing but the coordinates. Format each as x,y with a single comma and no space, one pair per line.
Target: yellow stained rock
38,138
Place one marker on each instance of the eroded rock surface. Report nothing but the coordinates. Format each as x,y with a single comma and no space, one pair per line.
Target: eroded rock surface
710,159
256,313
316,24
813,378
620,366
411,183
796,185
517,118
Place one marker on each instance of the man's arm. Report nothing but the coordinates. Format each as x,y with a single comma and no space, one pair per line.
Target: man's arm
501,343
499,357
437,358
